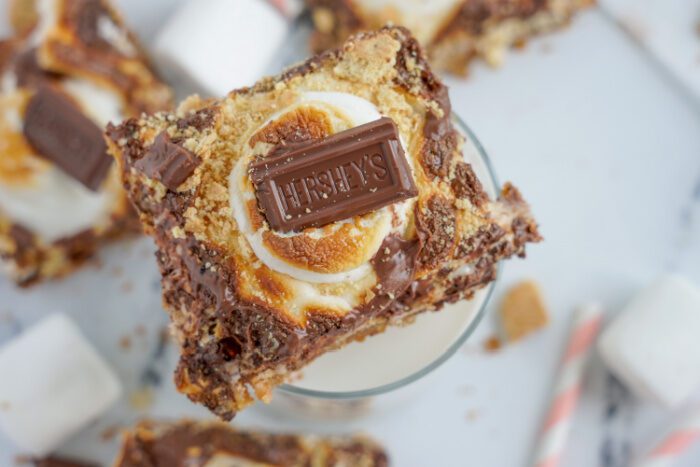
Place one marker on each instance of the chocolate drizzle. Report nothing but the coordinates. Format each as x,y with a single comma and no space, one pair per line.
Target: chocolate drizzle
440,137
466,185
86,15
190,444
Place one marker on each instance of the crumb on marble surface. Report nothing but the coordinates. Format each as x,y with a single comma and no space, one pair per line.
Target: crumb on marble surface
125,342
472,415
117,271
142,398
636,29
110,432
493,344
523,311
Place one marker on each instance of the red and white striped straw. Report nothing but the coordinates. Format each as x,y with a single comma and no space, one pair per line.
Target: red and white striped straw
289,8
676,442
557,425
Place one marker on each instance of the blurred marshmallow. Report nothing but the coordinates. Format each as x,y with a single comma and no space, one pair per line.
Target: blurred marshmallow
654,345
216,46
53,383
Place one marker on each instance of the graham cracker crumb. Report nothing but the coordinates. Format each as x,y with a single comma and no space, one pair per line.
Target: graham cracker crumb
493,344
141,399
125,342
109,433
523,311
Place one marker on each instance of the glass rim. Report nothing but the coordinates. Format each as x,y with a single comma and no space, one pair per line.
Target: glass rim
452,349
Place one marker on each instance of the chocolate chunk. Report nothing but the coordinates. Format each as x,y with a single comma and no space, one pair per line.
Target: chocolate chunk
314,183
168,162
60,132
395,263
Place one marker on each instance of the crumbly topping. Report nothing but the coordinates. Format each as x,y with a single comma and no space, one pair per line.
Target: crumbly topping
436,226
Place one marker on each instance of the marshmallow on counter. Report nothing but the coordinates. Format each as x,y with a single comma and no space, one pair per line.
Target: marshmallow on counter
53,383
216,46
654,345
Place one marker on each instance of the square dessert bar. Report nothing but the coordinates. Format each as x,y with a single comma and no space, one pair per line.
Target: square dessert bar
200,444
309,211
88,39
453,31
70,68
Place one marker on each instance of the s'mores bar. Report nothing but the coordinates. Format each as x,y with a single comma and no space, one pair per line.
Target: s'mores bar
309,211
212,444
71,68
453,31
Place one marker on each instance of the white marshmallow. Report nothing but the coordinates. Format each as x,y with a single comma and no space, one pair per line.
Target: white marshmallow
358,111
220,45
53,383
55,205
654,345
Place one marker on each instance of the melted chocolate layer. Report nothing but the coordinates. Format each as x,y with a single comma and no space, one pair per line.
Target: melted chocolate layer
189,444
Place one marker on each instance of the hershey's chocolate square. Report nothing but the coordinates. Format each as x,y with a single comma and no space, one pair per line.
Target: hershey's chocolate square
318,182
56,127
168,162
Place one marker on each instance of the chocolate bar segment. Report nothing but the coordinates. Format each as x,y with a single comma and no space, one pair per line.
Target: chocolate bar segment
60,132
347,174
168,162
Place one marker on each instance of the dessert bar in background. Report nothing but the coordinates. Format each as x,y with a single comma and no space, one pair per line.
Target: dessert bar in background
311,210
70,68
453,31
209,444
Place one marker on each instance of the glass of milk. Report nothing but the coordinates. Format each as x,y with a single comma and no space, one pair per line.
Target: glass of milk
385,370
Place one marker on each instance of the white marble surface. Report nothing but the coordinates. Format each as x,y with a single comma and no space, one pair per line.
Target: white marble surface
607,150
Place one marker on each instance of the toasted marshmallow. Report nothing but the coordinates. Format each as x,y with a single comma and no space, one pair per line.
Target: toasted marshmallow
37,194
344,248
